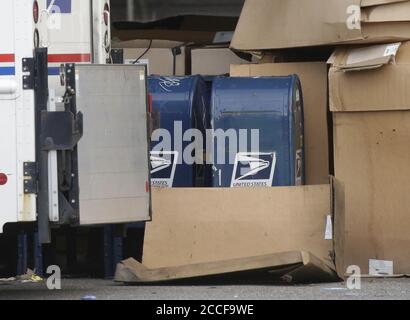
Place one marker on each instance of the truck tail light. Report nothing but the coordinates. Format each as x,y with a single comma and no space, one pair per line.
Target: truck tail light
35,11
106,14
3,179
150,103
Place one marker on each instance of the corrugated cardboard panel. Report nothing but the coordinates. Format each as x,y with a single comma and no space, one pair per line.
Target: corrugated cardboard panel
278,24
339,222
313,76
295,267
368,3
372,153
161,60
364,58
399,11
207,225
375,80
213,61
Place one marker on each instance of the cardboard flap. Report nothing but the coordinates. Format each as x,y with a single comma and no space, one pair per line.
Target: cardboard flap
381,70
275,24
278,24
191,226
394,12
369,3
364,58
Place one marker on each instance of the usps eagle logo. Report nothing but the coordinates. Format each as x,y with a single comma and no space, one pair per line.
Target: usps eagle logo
163,166
253,169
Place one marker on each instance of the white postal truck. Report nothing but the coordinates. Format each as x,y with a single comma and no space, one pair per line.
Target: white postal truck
73,126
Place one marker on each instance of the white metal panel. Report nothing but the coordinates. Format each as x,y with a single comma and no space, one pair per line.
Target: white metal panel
113,153
66,30
8,196
24,30
67,35
16,111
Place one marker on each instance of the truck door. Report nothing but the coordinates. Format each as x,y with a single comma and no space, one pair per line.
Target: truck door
101,140
113,166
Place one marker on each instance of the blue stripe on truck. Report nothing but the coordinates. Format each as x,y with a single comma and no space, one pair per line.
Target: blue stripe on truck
11,71
53,71
7,71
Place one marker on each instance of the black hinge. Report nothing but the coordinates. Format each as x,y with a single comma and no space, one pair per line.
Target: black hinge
30,178
117,56
28,79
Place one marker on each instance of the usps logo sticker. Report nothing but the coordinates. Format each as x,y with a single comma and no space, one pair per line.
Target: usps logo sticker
163,165
59,6
253,169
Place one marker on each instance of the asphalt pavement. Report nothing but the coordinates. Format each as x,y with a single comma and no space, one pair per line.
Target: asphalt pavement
77,289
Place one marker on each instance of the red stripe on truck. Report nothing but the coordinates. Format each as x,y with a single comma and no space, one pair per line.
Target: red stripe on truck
55,58
9,58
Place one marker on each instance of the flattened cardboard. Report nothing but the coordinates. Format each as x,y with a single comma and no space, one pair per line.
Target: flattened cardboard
377,80
364,58
395,12
191,226
313,76
278,24
369,3
372,153
295,267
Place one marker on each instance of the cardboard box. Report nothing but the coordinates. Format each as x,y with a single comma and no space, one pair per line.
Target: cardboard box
213,61
160,57
313,76
278,24
380,83
371,104
191,226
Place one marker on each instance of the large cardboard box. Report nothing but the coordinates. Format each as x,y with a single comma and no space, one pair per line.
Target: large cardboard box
213,61
191,226
278,24
371,103
313,76
159,57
